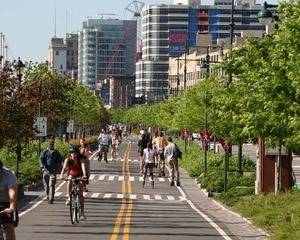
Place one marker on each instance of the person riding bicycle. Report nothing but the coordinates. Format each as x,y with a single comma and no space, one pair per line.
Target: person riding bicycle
86,152
104,141
115,141
142,144
75,165
8,200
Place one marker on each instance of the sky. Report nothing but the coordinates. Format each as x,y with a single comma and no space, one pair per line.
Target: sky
28,25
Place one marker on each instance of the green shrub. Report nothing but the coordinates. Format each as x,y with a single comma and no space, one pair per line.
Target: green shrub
29,167
234,195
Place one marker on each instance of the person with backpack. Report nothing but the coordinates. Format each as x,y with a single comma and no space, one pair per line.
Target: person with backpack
50,163
172,154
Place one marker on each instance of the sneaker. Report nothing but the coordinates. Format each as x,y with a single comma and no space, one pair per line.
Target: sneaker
82,217
50,201
68,201
172,183
152,183
178,183
144,183
163,174
106,160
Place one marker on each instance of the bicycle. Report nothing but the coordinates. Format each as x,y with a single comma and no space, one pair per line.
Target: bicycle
75,210
2,232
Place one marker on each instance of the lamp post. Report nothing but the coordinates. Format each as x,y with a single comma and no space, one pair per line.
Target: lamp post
266,17
206,66
19,68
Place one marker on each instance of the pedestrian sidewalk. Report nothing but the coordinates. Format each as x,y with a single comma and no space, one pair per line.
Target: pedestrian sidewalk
232,223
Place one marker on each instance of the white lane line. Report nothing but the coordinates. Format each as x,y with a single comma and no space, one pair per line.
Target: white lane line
129,160
39,202
141,179
121,178
120,195
122,160
101,177
85,193
146,197
57,194
135,160
95,195
111,178
171,198
132,196
93,155
181,198
157,197
161,179
107,195
92,176
131,179
208,219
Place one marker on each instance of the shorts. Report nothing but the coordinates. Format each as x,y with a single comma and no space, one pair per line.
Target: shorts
5,219
149,165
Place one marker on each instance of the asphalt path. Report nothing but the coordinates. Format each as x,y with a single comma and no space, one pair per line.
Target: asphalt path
118,207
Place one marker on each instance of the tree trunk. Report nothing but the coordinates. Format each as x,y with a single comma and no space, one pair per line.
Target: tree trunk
240,163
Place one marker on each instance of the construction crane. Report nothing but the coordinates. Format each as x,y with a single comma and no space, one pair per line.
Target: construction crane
136,7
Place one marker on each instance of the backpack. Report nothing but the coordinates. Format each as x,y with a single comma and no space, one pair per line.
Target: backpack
177,153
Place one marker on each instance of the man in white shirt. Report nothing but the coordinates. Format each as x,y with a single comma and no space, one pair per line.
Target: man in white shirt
172,162
104,141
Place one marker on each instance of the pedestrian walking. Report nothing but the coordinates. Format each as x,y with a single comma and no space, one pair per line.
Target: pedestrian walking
50,162
104,141
149,161
170,154
8,201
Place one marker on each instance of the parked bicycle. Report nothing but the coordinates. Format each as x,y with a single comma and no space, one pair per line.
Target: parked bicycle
75,210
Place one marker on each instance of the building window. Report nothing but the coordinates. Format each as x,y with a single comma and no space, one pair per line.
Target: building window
57,53
61,66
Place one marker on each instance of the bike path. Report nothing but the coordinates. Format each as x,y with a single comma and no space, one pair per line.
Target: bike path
117,207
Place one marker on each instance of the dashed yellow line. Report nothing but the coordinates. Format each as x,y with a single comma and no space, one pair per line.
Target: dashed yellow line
121,213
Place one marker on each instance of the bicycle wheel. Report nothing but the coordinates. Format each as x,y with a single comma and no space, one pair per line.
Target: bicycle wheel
2,233
72,207
76,210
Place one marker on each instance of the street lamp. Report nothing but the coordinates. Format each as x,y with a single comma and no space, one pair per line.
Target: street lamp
265,16
19,67
205,65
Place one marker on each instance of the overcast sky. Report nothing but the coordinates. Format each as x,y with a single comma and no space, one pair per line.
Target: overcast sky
28,25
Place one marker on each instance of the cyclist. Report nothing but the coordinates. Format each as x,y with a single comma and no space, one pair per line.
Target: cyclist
8,200
75,165
115,140
86,152
160,144
149,160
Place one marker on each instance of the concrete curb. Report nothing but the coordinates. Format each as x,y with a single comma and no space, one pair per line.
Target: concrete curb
230,211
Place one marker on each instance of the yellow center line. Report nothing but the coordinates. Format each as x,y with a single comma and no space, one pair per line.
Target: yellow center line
121,212
129,208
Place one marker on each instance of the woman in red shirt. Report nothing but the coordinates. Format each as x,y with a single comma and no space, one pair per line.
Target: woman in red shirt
75,165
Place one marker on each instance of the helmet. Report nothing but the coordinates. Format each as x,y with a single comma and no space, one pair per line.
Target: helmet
74,149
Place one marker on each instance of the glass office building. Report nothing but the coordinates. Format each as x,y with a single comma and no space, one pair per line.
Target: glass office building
170,30
106,48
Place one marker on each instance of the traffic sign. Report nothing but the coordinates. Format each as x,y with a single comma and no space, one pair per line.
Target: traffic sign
41,125
205,135
70,127
226,145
